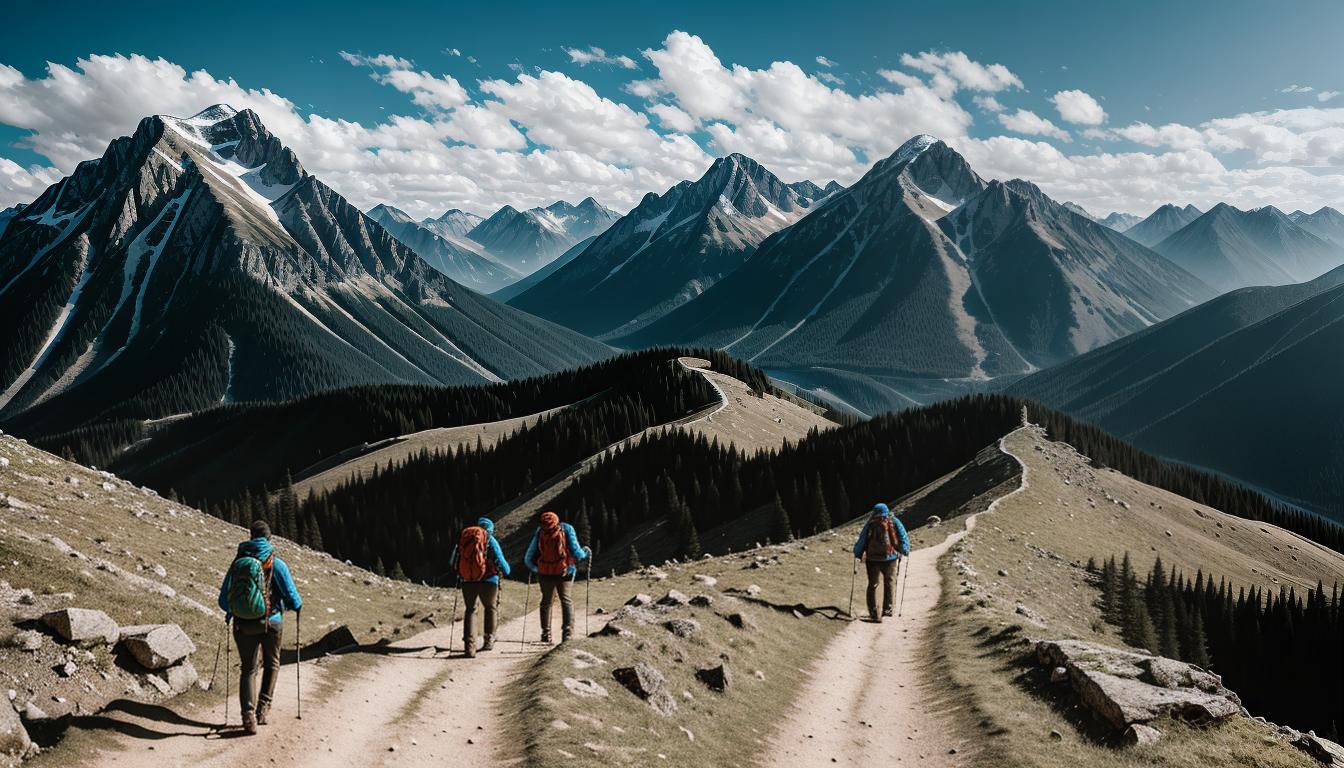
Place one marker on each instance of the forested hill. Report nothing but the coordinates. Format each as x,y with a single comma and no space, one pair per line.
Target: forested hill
218,454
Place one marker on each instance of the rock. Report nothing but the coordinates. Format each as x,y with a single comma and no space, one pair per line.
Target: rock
702,601
1059,675
715,678
27,640
586,660
708,581
33,713
646,682
635,614
1141,735
83,626
1124,687
1056,735
934,520
159,684
13,736
68,669
742,621
753,590
612,629
180,677
673,598
1003,573
157,646
1323,750
683,628
639,600
585,688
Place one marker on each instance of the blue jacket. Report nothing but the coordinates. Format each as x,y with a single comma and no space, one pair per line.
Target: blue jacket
282,584
496,552
880,511
576,551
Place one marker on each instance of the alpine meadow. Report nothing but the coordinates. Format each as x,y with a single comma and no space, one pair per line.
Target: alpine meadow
766,384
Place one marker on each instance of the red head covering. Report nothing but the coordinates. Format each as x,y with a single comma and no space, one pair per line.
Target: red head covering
550,520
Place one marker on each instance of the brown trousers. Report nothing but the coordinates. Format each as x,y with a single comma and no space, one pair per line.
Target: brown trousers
884,570
550,585
486,592
257,647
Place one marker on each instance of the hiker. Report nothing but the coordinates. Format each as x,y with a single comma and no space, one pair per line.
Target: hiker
553,555
479,562
881,543
257,588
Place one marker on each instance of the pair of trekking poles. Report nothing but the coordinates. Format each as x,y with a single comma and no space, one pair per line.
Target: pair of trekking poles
587,597
900,586
298,666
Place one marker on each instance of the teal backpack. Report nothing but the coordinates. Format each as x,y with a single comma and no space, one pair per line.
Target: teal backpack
249,588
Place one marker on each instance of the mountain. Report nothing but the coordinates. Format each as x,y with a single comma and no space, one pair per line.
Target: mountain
509,291
1161,223
453,224
1119,221
669,249
1327,224
1078,209
923,279
467,265
526,241
1230,248
8,215
197,262
1246,385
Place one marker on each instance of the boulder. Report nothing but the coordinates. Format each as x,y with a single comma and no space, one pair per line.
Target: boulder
1141,735
683,628
639,600
612,629
702,601
714,678
742,621
707,580
1124,688
585,688
180,677
13,736
646,682
27,640
83,626
157,646
673,598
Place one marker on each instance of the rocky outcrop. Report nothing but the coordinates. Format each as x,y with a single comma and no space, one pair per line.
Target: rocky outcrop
83,626
715,678
646,682
14,739
157,646
1124,688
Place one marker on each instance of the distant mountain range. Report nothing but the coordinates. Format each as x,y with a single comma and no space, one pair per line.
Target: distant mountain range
526,241
514,289
457,257
197,262
670,248
1161,223
453,224
1247,385
1327,224
1120,221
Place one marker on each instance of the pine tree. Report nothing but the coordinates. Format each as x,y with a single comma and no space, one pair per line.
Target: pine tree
781,529
819,511
632,560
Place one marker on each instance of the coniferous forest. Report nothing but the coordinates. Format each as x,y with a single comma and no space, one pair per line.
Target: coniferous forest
1279,652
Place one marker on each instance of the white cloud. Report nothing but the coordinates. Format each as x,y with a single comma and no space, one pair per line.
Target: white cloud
595,55
1326,95
453,52
1032,124
1297,89
825,62
1079,108
954,69
988,103
1172,135
673,118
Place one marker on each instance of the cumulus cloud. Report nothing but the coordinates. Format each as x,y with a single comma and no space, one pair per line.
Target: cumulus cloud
825,62
953,69
1079,108
1032,124
1172,135
595,55
988,103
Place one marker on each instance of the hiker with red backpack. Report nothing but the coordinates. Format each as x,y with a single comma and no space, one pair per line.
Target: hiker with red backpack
882,542
257,589
553,555
479,562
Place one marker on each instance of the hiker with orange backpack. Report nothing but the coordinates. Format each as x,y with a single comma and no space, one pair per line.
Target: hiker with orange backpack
479,562
257,589
882,542
553,555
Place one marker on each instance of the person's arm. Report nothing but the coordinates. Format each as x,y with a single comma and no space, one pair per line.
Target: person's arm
498,553
289,595
575,548
905,538
224,592
530,559
863,539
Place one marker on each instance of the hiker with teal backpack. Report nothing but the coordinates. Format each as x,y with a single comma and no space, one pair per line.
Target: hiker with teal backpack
257,589
553,555
478,562
882,543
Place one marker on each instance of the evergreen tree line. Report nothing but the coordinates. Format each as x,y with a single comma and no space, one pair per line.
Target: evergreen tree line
1279,652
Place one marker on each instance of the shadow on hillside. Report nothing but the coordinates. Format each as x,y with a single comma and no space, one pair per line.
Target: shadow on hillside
50,732
832,612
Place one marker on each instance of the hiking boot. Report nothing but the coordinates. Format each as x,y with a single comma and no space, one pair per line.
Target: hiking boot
488,644
469,649
566,637
886,614
263,710
876,619
546,636
250,725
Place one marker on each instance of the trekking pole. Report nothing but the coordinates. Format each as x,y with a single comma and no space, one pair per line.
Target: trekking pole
588,591
901,610
853,579
527,595
227,673
214,673
298,663
452,620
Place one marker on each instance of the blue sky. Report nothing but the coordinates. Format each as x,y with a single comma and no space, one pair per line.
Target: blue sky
1145,65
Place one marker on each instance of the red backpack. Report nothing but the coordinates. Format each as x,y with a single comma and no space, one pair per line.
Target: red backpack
553,557
882,539
473,560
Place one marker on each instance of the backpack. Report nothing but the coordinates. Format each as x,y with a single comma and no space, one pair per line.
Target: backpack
553,558
881,540
473,561
250,588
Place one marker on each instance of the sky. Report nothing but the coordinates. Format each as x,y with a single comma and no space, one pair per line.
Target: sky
431,106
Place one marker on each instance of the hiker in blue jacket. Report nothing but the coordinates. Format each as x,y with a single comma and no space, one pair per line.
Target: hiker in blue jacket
484,589
554,555
882,542
259,638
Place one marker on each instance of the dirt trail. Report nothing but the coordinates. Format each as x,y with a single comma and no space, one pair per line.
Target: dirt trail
433,709
862,703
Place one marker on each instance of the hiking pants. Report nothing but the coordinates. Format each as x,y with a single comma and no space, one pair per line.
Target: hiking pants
488,593
549,586
257,646
885,570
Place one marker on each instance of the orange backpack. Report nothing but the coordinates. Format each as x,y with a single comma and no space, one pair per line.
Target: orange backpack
553,558
882,539
473,561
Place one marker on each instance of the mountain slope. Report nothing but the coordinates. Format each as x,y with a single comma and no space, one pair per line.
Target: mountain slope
1229,249
8,215
1161,223
197,262
453,224
467,265
1326,223
1246,385
669,249
1120,221
923,272
526,241
507,293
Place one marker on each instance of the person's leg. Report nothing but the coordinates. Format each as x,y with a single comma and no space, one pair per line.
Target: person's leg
270,675
470,592
249,656
888,585
489,601
566,610
548,586
874,571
